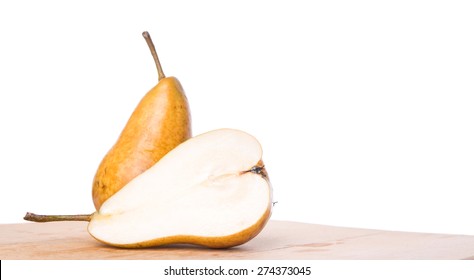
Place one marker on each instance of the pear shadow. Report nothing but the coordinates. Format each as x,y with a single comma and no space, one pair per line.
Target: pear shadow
189,247
174,248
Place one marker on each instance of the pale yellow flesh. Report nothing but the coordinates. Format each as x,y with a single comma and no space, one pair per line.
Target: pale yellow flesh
201,189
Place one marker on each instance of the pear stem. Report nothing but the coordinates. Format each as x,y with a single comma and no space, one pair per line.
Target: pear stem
148,40
56,218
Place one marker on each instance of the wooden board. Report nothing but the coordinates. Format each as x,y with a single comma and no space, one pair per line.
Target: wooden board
279,240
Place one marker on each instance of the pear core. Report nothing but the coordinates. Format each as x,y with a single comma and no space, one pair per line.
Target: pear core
211,190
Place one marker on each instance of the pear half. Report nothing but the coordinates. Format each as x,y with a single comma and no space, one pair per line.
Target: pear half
211,190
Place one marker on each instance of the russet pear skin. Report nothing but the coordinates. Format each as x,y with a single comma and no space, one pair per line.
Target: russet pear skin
159,123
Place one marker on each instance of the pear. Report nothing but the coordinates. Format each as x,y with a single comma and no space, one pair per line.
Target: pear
212,190
158,124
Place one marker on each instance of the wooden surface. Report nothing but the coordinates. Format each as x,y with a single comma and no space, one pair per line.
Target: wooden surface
279,240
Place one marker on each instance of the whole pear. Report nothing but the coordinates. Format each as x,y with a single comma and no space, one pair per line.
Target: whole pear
159,123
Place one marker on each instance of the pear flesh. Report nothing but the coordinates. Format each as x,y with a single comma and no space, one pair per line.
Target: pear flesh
211,190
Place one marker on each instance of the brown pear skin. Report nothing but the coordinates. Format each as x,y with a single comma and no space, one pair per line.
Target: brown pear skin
159,123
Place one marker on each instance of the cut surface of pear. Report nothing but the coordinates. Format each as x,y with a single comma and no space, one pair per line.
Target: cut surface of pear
211,190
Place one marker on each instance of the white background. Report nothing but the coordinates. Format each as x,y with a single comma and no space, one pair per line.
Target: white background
365,110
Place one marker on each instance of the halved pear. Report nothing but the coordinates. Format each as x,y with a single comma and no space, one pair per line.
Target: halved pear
211,190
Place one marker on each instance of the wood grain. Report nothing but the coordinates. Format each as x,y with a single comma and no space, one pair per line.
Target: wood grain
279,240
